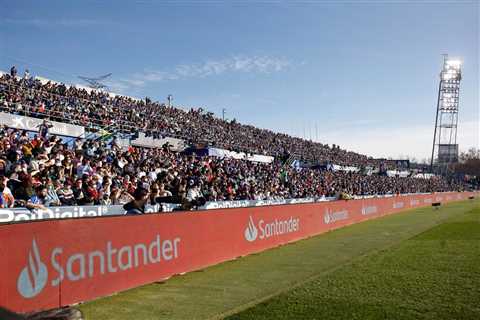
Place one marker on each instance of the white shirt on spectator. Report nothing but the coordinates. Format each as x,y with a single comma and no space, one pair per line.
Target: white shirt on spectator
193,194
152,175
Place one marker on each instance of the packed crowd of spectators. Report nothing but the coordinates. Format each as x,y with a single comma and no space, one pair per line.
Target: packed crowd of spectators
26,95
41,170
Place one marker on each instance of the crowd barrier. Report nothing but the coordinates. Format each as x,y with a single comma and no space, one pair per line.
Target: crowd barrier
48,264
21,214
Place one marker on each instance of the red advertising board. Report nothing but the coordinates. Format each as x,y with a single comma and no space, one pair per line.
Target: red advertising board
47,264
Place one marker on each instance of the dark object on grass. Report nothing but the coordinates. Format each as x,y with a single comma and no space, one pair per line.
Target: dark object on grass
471,197
56,314
8,315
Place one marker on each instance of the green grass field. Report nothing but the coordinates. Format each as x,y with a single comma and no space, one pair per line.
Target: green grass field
420,264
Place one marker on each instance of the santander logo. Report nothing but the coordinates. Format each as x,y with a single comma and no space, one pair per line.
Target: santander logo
369,210
33,277
398,205
101,261
266,229
414,202
251,232
334,216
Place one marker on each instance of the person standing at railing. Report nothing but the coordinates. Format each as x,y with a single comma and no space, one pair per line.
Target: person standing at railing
26,75
13,72
137,205
43,128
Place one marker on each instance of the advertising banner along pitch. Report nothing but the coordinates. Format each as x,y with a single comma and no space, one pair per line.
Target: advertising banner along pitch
48,264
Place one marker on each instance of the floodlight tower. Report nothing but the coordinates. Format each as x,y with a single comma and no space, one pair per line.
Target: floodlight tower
445,147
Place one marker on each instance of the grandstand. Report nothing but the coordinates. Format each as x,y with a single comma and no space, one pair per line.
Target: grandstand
99,109
239,160
72,152
101,147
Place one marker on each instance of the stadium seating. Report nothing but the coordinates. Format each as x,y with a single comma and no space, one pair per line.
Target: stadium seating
52,171
98,109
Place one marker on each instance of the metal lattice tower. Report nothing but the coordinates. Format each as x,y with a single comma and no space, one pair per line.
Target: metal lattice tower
445,147
95,83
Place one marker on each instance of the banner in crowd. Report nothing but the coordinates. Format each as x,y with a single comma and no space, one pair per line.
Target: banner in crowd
397,173
31,124
48,264
402,163
150,142
371,170
336,167
424,175
222,153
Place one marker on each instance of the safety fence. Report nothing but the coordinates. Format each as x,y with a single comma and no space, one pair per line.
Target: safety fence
21,214
52,263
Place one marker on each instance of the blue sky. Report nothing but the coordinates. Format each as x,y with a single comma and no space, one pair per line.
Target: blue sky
362,74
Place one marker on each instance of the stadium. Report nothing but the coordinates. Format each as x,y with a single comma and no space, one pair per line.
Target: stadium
119,207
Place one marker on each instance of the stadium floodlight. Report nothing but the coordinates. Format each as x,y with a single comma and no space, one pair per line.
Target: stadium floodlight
447,76
446,121
456,64
451,69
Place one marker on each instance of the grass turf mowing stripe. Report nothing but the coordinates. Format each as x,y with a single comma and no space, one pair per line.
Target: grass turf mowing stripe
434,275
232,286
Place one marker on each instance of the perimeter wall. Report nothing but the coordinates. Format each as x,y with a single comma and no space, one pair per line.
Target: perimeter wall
52,263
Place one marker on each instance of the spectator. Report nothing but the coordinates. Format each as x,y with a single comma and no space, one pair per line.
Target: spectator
137,205
44,127
6,196
162,192
105,199
52,198
154,194
13,72
193,192
124,197
78,192
65,194
84,168
39,200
